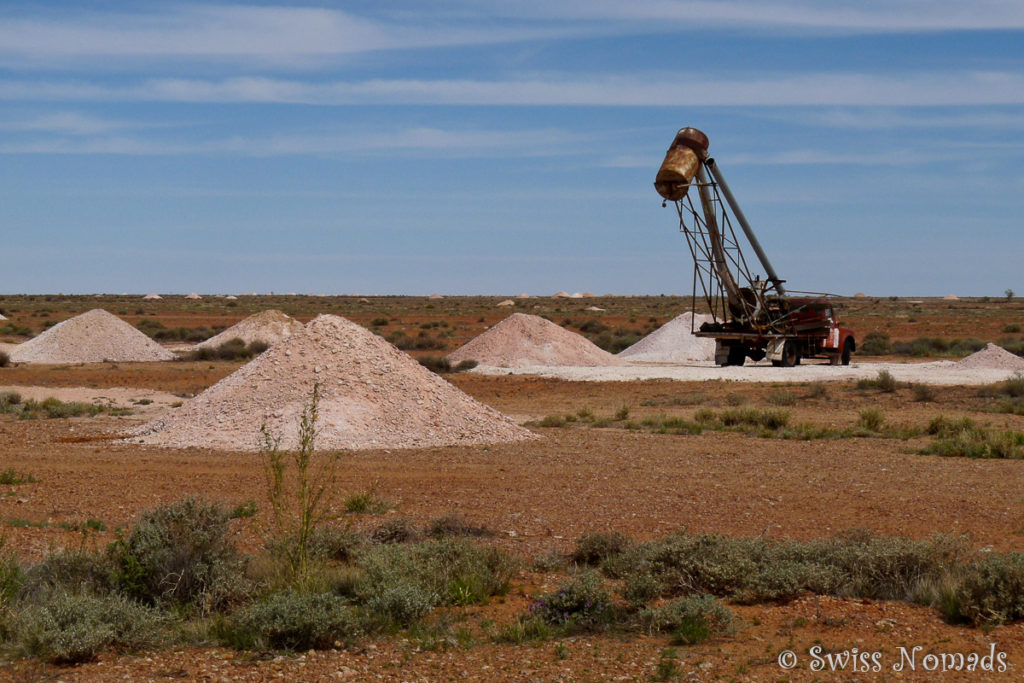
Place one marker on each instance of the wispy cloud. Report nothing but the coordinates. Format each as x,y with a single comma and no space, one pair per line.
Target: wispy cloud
932,88
406,141
280,35
305,36
70,123
865,16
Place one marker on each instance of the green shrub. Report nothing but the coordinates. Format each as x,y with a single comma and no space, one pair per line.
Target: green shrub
76,628
922,393
552,421
992,590
365,502
232,350
74,572
456,524
11,576
1011,328
782,398
396,530
871,419
13,478
52,408
335,544
875,343
10,401
595,549
295,621
404,582
581,604
180,554
691,620
243,510
817,390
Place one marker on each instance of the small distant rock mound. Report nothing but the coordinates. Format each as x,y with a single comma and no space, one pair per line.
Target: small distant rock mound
506,302
269,327
994,358
673,342
193,296
91,337
3,317
152,297
560,295
521,340
435,296
951,297
372,396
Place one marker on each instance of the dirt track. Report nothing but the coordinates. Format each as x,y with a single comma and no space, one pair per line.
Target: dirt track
940,373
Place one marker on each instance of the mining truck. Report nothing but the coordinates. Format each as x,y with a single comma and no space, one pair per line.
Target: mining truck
752,316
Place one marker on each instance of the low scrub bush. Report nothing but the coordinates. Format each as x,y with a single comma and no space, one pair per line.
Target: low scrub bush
397,530
875,343
180,554
782,398
404,582
76,572
581,604
922,393
11,477
884,382
365,502
595,549
294,621
691,620
992,590
456,524
157,330
10,401
961,437
871,419
69,628
443,366
52,408
231,350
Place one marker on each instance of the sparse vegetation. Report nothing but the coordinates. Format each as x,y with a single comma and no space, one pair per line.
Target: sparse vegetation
443,366
231,350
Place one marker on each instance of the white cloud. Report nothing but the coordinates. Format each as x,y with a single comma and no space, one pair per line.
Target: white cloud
281,35
70,123
933,88
407,141
864,16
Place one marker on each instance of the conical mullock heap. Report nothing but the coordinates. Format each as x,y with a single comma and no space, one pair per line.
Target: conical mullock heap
522,340
91,337
270,327
371,396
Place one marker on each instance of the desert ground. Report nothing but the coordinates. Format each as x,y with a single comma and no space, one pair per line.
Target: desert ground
607,459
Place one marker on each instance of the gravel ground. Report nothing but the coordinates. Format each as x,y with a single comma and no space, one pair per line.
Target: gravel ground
946,373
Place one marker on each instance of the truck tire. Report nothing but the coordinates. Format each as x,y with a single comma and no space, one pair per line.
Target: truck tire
790,355
847,350
737,355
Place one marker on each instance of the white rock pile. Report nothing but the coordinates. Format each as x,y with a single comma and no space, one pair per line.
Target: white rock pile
269,327
522,340
372,396
993,357
673,342
91,337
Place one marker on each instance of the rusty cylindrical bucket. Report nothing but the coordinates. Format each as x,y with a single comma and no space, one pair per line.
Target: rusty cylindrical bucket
681,164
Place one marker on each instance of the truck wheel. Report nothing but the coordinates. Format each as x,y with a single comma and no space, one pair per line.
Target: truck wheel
790,354
847,350
737,355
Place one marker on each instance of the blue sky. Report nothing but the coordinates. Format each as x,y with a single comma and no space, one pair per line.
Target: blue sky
505,146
